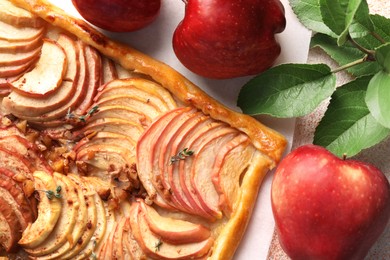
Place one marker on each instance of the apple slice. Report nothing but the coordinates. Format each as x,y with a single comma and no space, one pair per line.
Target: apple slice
94,64
49,210
15,163
11,14
10,71
176,177
17,201
144,88
113,125
20,145
103,137
143,106
162,156
16,191
81,220
96,223
47,74
117,240
18,58
171,230
231,162
145,160
9,226
19,183
202,165
154,247
56,117
108,71
20,46
12,33
70,205
31,105
121,112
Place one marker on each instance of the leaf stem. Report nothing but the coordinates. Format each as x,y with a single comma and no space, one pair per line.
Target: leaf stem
351,64
378,37
370,53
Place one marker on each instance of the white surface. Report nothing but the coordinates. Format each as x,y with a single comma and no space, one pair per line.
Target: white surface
155,40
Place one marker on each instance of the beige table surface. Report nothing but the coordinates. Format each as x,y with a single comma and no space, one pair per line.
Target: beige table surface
378,155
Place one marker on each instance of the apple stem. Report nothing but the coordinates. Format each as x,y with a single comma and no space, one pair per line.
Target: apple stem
344,156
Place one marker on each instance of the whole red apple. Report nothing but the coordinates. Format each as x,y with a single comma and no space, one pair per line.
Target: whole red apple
229,38
118,15
326,207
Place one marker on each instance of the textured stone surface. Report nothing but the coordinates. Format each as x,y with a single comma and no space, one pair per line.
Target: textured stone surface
377,155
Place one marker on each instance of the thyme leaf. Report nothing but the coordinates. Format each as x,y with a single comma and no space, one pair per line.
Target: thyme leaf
51,194
181,155
157,245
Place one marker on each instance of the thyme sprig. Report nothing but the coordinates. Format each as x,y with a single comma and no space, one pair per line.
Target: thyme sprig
51,194
181,155
81,118
157,245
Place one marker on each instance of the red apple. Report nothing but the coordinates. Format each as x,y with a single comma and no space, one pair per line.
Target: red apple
118,15
326,207
229,38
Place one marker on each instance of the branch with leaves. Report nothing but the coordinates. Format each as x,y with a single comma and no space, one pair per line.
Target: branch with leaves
358,114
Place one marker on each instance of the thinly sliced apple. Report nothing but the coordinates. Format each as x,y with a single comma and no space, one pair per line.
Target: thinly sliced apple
117,240
17,201
30,105
101,247
49,210
9,226
20,183
56,117
11,14
94,65
20,46
172,230
162,156
132,92
121,112
87,219
154,247
132,249
80,226
113,125
103,137
12,33
145,160
47,74
21,202
202,166
16,71
232,160
108,71
25,148
15,163
18,58
63,229
147,89
149,110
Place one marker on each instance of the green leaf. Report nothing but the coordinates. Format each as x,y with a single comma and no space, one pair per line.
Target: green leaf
287,90
378,96
382,55
309,14
338,16
382,26
347,126
362,24
344,55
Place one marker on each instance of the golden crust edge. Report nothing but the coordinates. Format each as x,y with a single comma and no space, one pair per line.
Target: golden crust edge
268,141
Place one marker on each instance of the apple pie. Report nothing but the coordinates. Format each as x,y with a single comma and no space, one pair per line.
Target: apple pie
108,153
